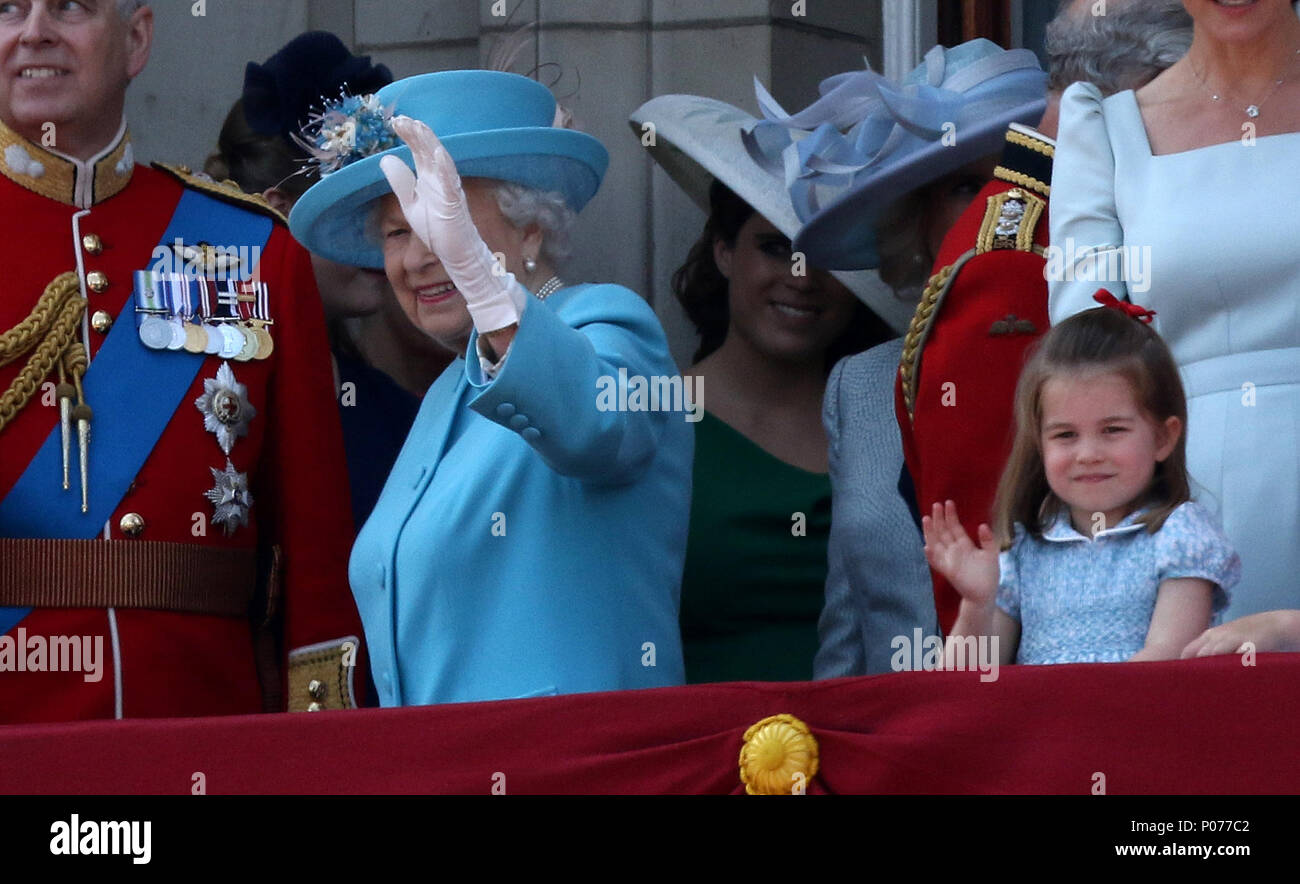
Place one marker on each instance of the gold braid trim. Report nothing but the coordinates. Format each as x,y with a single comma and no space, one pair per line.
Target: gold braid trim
1023,240
1014,177
49,332
919,328
1030,142
227,191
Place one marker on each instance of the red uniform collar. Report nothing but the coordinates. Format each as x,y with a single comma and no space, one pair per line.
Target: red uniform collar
56,176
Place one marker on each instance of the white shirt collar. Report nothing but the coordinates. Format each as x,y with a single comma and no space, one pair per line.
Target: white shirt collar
1062,530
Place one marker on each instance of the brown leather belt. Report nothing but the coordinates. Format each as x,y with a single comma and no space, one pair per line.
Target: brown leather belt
179,577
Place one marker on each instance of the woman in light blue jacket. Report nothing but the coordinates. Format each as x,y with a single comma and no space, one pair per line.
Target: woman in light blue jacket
530,538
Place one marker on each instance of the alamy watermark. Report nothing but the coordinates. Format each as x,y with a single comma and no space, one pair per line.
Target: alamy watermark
78,837
656,393
206,261
1128,264
55,653
919,652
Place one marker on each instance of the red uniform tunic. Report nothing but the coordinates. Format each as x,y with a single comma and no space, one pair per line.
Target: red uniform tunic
984,307
103,220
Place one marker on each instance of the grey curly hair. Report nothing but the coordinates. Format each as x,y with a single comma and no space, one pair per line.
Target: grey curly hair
1123,49
523,206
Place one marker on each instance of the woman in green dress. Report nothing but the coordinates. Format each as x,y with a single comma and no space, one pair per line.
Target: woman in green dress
755,573
770,331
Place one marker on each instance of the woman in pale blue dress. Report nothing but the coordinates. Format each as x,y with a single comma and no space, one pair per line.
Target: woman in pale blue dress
1185,197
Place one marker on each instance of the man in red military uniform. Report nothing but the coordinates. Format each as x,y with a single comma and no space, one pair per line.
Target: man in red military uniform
174,514
987,300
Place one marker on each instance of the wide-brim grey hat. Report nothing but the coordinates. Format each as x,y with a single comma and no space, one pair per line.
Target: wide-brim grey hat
868,141
696,139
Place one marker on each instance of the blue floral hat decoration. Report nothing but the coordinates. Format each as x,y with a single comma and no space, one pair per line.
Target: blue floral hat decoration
868,141
494,124
347,130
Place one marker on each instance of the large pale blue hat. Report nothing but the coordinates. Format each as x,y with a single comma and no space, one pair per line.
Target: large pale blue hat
869,141
494,125
698,139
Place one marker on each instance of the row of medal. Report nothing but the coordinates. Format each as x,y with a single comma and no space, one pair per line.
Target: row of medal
226,318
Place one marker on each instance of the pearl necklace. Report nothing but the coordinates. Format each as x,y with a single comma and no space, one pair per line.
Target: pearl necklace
550,287
1251,110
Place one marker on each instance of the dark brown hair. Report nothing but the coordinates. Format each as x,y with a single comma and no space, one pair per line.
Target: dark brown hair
702,290
1101,339
255,161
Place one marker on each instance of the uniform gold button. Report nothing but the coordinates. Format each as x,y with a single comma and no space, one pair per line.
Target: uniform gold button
92,244
314,707
317,689
97,281
101,321
132,524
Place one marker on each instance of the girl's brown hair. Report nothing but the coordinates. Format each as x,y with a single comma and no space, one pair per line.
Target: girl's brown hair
256,161
1101,339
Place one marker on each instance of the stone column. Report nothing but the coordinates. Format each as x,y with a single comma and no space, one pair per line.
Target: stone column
196,71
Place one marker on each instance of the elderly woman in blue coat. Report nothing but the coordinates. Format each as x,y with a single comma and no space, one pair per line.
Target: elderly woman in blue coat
531,535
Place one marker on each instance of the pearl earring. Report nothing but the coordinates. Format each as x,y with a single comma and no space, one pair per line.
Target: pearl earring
530,266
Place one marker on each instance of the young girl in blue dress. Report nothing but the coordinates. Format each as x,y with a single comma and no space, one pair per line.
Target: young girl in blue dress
1099,553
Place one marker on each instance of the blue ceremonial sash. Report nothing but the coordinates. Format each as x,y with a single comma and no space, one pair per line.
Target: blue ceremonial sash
134,391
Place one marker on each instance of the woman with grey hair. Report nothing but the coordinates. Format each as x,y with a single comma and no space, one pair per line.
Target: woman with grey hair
530,538
1124,49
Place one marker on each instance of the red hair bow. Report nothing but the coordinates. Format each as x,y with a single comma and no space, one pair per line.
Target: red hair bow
1136,311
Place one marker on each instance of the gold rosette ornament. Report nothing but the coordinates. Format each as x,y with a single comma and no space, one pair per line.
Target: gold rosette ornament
779,757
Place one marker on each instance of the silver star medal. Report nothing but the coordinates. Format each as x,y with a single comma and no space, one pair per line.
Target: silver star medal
231,497
225,407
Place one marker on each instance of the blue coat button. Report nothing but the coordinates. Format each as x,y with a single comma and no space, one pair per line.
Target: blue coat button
519,421
532,434
505,409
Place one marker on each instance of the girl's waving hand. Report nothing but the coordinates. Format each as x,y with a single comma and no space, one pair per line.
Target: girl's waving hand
972,570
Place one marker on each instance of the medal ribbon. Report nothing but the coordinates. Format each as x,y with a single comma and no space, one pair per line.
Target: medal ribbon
128,420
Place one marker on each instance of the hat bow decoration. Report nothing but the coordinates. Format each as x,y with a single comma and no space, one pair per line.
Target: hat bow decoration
863,121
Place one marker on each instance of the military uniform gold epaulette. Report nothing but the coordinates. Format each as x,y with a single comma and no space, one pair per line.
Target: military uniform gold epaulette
1011,220
223,190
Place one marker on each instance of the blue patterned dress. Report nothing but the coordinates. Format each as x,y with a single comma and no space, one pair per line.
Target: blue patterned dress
1082,600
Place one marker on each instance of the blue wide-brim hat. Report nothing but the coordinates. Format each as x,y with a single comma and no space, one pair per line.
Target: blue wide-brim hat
494,125
869,141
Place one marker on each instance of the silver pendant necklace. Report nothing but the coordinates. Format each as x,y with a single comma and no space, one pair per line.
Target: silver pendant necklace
1251,110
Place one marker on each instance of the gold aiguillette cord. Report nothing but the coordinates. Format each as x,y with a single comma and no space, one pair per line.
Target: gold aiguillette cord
49,334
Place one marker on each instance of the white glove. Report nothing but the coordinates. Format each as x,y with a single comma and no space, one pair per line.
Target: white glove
435,207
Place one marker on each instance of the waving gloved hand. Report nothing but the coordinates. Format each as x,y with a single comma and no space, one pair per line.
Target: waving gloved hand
435,206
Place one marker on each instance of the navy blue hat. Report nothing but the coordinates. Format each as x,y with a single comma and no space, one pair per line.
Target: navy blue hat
309,70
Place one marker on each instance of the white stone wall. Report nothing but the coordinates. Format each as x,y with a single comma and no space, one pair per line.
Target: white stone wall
604,58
